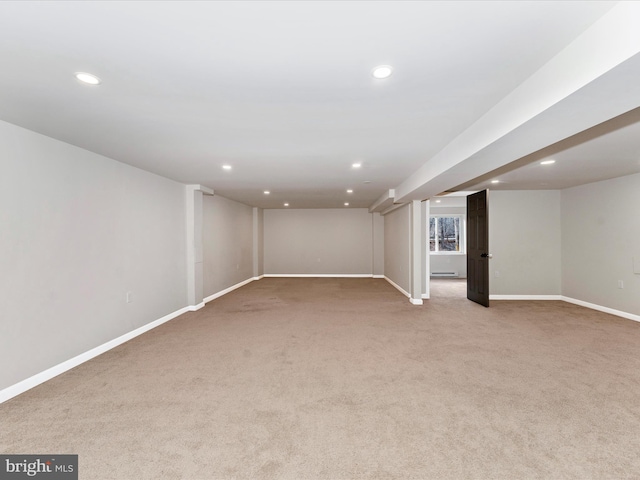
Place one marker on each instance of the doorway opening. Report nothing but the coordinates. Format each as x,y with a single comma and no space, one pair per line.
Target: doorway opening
459,246
447,247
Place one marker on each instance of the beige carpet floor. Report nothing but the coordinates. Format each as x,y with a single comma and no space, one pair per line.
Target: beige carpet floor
345,379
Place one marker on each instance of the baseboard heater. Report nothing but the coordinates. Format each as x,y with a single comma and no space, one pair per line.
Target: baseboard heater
445,274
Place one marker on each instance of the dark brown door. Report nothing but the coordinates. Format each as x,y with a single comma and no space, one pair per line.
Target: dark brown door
478,248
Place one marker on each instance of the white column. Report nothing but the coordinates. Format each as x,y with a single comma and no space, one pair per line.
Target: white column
426,267
257,243
417,256
195,294
378,245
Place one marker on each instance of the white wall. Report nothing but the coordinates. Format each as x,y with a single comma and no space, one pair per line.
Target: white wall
318,241
227,243
378,244
77,232
600,238
424,244
525,240
449,263
258,242
397,247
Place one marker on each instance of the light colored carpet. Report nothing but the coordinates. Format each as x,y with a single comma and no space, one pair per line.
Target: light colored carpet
345,379
448,287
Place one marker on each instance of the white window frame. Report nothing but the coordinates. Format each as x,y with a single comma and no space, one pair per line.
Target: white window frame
463,234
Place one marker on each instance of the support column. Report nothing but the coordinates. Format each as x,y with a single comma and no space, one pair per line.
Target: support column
417,256
258,262
378,245
426,267
195,279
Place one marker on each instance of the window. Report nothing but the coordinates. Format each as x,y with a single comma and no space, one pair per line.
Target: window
446,234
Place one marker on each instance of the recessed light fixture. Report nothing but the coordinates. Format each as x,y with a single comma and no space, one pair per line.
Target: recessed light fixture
495,181
349,191
367,182
226,167
346,204
547,162
382,72
267,192
286,204
438,201
88,78
356,165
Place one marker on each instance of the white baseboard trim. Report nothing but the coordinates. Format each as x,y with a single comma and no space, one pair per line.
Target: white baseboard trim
426,296
230,289
414,301
402,290
48,374
525,297
318,275
37,379
582,303
259,277
593,306
378,276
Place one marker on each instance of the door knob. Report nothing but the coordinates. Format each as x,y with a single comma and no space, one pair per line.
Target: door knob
486,255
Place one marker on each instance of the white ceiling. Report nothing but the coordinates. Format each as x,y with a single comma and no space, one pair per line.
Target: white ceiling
283,91
608,150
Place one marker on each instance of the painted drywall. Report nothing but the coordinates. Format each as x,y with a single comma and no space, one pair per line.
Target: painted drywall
418,251
194,208
227,241
444,262
436,210
449,263
318,241
524,238
424,242
258,242
397,247
378,244
600,239
77,232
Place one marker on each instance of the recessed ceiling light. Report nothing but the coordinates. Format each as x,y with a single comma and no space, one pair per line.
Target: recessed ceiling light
495,181
367,182
346,204
382,71
438,201
226,167
286,204
547,162
356,165
349,191
267,192
88,78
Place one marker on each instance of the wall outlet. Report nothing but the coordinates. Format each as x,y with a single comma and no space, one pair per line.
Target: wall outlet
620,284
129,297
497,273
